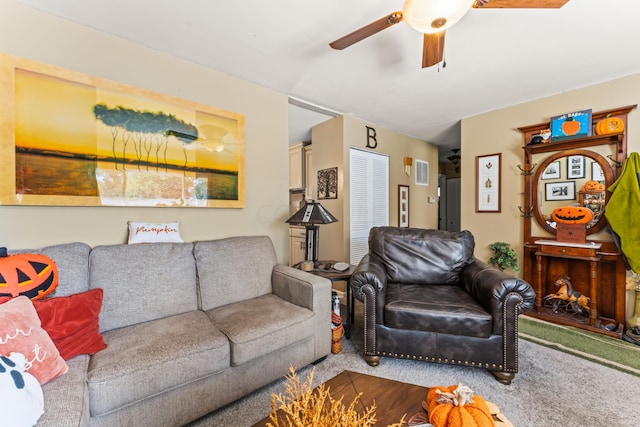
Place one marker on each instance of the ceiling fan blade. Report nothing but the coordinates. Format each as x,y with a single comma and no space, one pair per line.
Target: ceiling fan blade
432,48
367,31
520,4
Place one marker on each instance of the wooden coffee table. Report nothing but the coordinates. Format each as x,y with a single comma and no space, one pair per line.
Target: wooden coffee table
393,399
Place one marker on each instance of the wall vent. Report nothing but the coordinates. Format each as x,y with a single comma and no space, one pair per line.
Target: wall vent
422,172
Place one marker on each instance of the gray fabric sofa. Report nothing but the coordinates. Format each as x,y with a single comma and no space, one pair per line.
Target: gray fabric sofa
189,328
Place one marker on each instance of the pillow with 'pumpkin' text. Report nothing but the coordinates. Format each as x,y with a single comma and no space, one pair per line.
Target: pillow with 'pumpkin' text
20,332
145,232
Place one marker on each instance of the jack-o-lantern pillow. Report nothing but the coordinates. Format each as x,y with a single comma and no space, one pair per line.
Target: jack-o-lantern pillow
572,215
32,275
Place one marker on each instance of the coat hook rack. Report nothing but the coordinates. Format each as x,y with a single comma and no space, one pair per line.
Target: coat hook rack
614,162
526,213
527,171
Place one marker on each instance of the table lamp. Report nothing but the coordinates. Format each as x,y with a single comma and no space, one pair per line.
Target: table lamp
310,215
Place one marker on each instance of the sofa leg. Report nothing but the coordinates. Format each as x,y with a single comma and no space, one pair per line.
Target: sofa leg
372,360
503,377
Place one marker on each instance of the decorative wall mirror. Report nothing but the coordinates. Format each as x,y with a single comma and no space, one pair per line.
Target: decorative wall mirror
555,173
571,177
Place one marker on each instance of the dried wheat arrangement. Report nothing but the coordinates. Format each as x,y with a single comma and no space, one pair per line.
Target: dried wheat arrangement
301,406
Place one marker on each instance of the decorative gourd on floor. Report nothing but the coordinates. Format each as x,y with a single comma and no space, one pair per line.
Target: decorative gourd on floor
32,275
572,215
456,406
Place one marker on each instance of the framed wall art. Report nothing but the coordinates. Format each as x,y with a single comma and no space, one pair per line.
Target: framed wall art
488,183
328,183
403,206
571,125
596,172
575,167
564,190
552,171
70,139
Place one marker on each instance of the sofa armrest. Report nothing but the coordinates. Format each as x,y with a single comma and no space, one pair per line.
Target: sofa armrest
300,288
501,294
309,291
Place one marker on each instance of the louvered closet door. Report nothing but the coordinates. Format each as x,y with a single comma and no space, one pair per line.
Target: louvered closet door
369,198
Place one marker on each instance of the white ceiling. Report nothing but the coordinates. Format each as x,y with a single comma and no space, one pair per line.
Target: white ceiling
495,57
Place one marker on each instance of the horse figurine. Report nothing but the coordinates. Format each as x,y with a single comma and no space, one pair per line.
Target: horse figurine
574,301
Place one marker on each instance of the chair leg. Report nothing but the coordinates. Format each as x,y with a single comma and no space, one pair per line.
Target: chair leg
372,360
503,377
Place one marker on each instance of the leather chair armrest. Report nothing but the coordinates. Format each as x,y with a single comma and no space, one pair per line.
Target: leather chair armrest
370,271
500,293
368,283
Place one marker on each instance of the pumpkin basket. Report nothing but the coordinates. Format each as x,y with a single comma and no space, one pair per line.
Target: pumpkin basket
337,331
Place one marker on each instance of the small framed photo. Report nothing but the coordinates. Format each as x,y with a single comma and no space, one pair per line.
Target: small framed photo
563,190
552,171
575,167
571,125
488,183
596,172
403,206
328,183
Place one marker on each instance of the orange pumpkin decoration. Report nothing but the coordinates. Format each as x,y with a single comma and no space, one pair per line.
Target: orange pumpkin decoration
32,275
570,126
609,125
592,187
456,406
572,215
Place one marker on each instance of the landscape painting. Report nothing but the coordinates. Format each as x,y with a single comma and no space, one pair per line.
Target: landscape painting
76,140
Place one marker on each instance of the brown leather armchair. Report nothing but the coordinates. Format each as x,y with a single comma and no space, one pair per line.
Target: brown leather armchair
426,297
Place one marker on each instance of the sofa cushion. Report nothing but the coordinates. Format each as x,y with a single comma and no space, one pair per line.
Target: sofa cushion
66,399
148,358
143,282
411,255
262,325
72,260
433,308
234,269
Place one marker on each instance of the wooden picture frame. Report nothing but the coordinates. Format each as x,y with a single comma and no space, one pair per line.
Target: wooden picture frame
562,190
71,139
571,125
488,182
403,206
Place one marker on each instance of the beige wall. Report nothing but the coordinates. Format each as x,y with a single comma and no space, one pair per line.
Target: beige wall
331,141
497,132
30,34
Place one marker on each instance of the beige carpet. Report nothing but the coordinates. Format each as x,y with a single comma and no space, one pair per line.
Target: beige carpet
551,389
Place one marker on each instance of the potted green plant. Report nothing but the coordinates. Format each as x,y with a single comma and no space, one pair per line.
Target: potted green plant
504,256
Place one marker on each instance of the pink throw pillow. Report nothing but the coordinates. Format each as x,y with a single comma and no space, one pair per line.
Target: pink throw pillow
20,332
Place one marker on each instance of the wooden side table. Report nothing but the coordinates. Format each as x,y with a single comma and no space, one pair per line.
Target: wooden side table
339,276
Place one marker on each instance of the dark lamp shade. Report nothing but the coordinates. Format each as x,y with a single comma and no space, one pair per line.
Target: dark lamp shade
312,213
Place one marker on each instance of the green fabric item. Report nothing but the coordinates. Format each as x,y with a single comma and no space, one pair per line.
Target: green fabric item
622,210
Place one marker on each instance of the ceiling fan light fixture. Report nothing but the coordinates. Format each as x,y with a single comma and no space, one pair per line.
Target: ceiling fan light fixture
432,16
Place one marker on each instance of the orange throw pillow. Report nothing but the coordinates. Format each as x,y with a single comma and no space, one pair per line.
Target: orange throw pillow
20,332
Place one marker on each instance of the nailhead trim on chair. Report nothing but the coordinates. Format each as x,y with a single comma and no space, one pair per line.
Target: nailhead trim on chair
492,366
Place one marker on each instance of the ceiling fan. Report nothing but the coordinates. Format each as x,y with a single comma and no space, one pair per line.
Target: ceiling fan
433,17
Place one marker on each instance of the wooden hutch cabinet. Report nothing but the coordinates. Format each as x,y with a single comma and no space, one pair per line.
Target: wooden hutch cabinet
596,268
